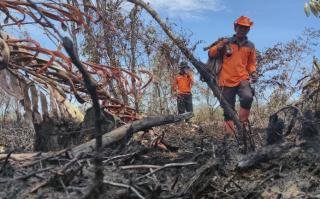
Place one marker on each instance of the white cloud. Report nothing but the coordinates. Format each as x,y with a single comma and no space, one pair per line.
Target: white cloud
186,7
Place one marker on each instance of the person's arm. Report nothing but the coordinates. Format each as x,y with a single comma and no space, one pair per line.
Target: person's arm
213,51
191,78
252,62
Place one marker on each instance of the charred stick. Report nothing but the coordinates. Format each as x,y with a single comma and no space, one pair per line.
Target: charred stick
134,190
63,186
222,192
237,185
26,176
45,158
118,157
144,166
42,184
154,177
6,161
66,166
167,166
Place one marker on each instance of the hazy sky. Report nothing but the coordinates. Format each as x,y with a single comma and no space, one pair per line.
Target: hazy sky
274,20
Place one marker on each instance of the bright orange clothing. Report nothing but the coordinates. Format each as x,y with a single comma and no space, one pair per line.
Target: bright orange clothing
239,65
183,83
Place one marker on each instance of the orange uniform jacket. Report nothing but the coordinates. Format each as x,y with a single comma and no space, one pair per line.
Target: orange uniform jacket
183,83
239,65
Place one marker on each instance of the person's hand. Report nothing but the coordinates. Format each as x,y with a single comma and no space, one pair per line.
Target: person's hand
175,94
254,77
225,41
222,43
189,72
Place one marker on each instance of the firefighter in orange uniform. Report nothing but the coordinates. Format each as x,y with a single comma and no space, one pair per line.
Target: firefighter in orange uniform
238,70
182,86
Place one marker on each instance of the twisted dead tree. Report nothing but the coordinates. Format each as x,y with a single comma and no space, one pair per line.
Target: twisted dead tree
51,70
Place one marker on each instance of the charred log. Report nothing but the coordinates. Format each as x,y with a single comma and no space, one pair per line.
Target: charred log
275,130
310,125
263,155
54,135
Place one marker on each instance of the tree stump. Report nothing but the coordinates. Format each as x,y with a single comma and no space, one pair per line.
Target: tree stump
56,134
53,135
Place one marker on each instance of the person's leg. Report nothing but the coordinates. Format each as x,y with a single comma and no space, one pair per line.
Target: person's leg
246,97
188,103
180,104
229,93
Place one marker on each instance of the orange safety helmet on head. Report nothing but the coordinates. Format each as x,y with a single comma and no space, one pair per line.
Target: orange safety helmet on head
243,21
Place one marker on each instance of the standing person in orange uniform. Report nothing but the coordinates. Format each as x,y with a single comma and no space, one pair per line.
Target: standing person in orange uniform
182,86
238,70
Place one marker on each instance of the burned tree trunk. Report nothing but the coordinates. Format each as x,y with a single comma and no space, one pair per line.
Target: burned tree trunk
275,130
309,137
53,134
61,128
310,125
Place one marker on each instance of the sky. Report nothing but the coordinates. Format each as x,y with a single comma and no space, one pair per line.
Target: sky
274,20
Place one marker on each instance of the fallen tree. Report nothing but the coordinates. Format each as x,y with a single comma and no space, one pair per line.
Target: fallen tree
125,131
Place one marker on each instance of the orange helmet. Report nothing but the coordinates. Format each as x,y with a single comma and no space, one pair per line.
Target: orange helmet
243,21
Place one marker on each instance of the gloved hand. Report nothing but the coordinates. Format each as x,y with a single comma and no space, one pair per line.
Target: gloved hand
222,42
224,47
175,94
254,77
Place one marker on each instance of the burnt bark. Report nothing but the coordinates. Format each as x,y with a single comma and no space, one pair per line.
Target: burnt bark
126,131
275,130
53,134
133,44
263,155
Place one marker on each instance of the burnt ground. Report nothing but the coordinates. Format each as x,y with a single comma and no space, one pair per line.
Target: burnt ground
195,167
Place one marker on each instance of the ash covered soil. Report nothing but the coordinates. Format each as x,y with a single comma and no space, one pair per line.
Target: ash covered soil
197,163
